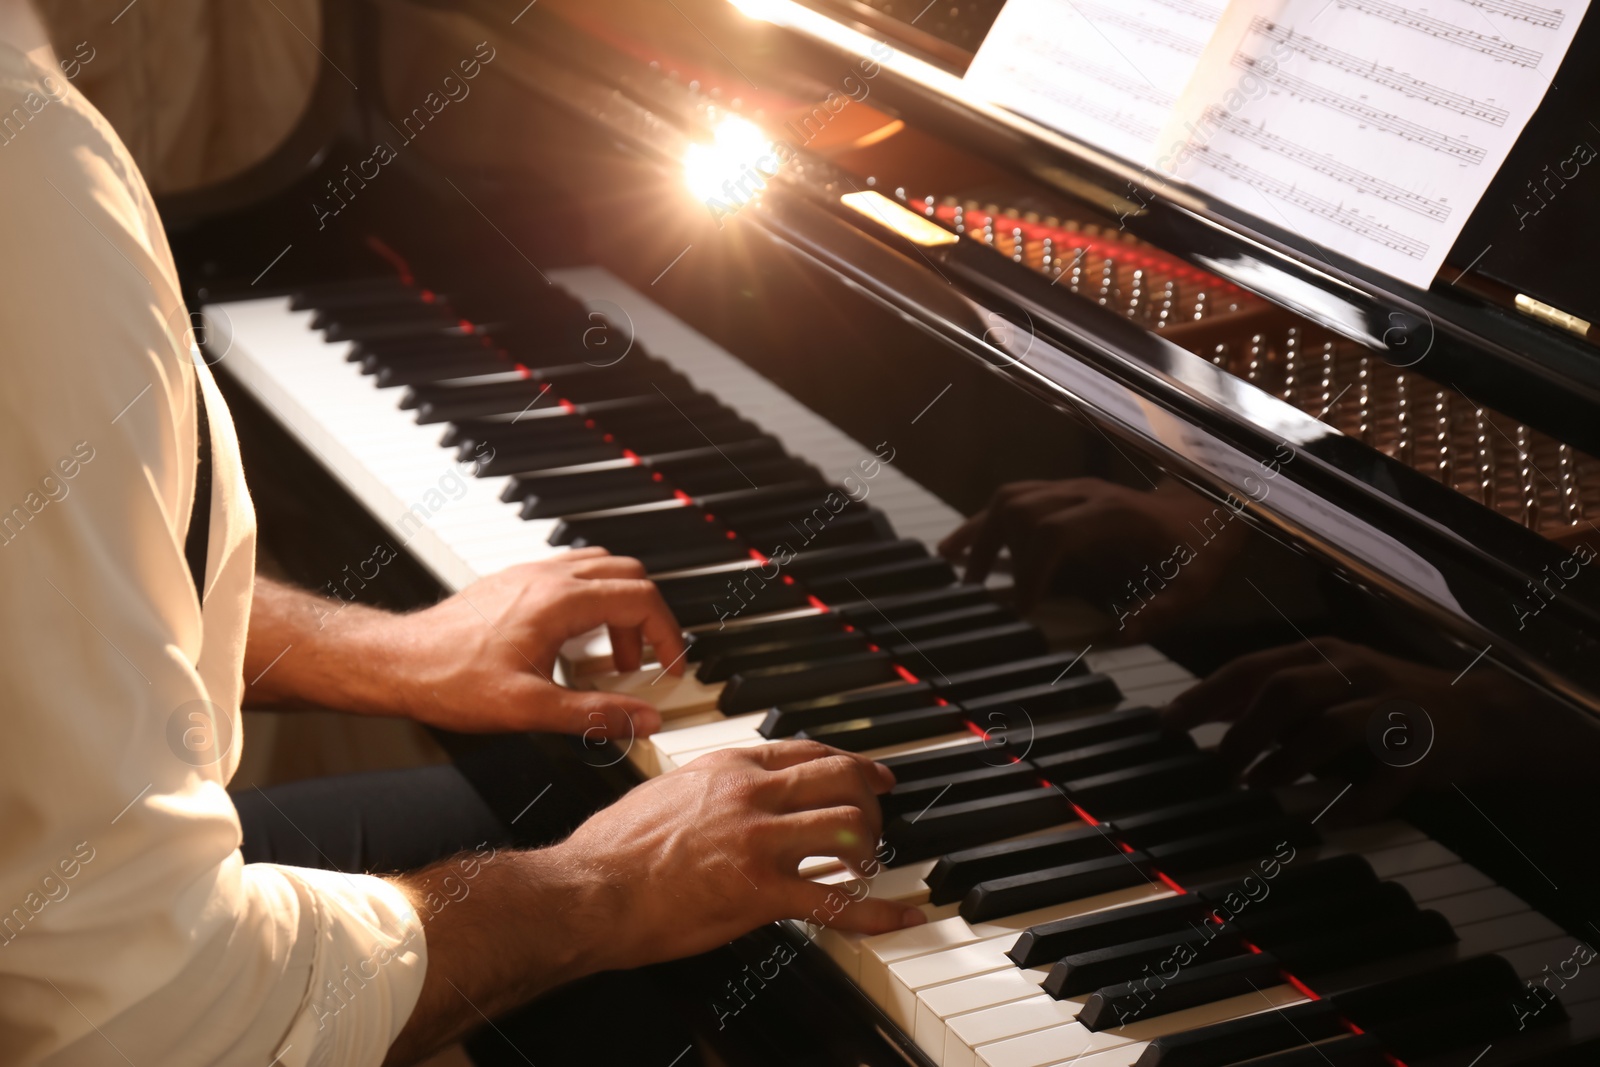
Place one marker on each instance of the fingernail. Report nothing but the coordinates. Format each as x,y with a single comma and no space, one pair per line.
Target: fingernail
885,773
912,917
647,721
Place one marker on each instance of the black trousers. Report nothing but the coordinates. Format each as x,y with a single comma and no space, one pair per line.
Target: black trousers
503,792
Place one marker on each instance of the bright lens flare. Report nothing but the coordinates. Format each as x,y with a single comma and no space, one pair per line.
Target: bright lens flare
716,170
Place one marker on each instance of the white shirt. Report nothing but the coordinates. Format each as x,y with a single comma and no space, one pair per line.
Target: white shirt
131,931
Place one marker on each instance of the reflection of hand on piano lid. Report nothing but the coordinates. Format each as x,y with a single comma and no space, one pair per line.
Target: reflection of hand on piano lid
1105,542
1330,707
482,660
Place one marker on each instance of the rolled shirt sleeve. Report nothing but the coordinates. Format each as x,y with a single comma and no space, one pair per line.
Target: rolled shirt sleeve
130,928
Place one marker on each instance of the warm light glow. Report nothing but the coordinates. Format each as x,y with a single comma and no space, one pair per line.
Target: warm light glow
734,166
761,10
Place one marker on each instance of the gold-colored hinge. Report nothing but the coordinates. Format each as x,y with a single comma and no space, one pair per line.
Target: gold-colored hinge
902,220
1554,316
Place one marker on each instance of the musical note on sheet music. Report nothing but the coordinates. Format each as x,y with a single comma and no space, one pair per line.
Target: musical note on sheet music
1369,127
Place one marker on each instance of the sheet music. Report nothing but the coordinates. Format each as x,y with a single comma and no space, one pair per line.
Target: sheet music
1382,121
1371,127
1108,72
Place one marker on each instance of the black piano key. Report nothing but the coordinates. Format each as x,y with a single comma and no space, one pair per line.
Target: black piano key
722,666
891,728
858,525
653,522
751,594
1085,972
433,368
1292,923
400,320
939,656
1349,873
900,576
1326,880
1429,989
785,720
883,610
441,403
1469,1024
548,417
769,686
1191,817
1232,844
1018,893
1018,711
940,623
1062,735
1115,755
1150,785
799,497
950,827
346,291
826,563
1155,993
1347,1050
622,493
970,756
737,637
955,873
1205,982
1233,1040
1389,937
915,796
380,350
1103,929
1019,674
678,557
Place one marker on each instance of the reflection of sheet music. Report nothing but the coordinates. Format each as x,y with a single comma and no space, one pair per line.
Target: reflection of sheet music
1370,127
1382,121
1108,73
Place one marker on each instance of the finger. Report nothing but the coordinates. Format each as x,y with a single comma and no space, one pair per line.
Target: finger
1283,704
609,566
1331,734
627,648
957,541
638,604
830,781
787,754
998,521
1374,798
1230,688
829,907
845,832
600,716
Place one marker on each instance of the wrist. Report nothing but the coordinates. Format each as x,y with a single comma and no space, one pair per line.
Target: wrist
586,936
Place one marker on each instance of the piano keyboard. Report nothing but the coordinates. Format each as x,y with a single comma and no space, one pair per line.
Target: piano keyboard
1067,850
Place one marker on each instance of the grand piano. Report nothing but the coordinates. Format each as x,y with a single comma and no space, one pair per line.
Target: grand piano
518,283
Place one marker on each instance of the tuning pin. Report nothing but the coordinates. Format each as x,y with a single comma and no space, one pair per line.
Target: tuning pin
1402,421
1108,281
931,210
1525,474
1200,305
1016,244
1219,355
1291,357
1254,359
1048,260
1169,302
1075,281
1441,433
1329,398
1485,458
1364,399
1136,297
1567,479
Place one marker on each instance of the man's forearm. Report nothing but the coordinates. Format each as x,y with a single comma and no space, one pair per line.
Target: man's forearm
502,928
301,649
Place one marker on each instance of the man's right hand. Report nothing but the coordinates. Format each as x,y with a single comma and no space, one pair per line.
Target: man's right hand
693,859
680,865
